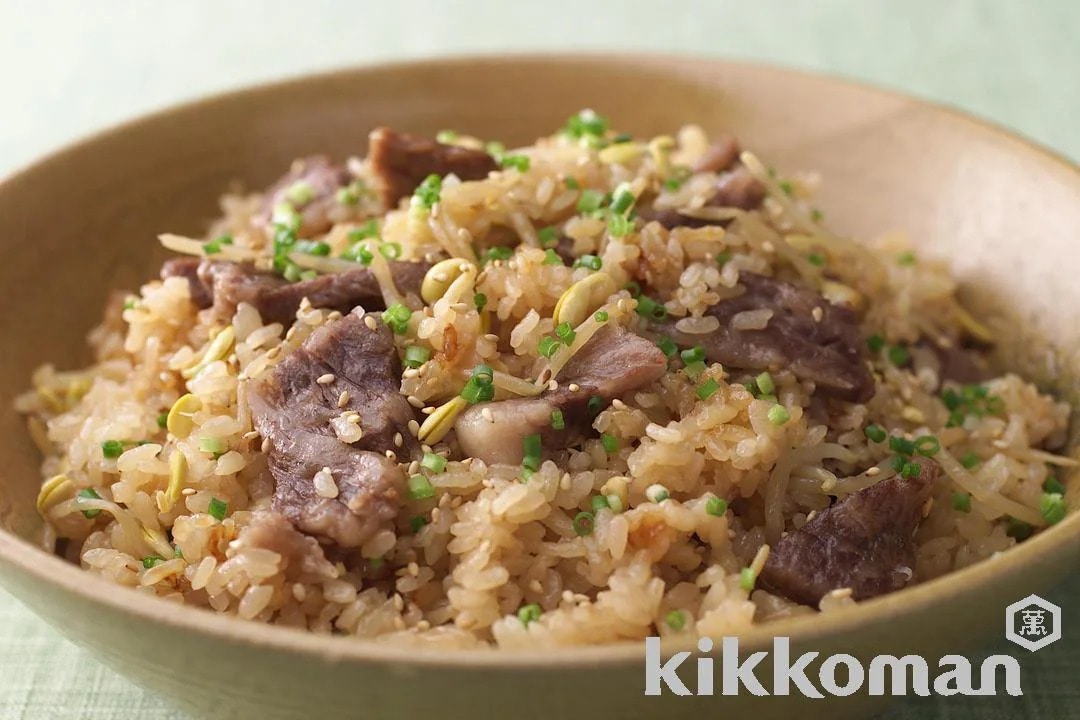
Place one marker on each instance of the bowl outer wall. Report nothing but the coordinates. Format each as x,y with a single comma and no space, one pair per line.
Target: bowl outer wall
84,220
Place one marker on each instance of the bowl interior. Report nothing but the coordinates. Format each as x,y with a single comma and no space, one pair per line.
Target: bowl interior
84,220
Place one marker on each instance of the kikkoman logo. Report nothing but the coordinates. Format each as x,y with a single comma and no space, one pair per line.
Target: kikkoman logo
1032,623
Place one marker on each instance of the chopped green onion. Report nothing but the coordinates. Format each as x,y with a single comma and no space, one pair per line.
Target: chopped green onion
694,369
595,404
909,470
571,183
218,509
1052,507
348,195
417,523
565,333
672,184
427,193
552,258
416,355
787,187
961,502
308,274
875,342
589,261
898,355
619,225
548,236
657,493
178,553
478,389
1053,485
901,446
905,258
590,201
397,318
517,162
151,560
723,257
615,503
778,415
358,252
623,199
694,354
480,301
368,230
633,288
163,420
496,253
89,494
584,523
669,348
600,316
599,502
816,259
817,215
675,620
875,433
716,506
649,308
532,449
313,247
970,460
586,123
420,488
547,346
558,422
747,579
610,443
1018,529
529,613
112,449
300,192
707,389
446,136
765,383
434,463
495,148
927,445
390,250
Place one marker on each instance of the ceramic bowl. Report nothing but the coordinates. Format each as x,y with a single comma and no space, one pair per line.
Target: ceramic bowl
84,220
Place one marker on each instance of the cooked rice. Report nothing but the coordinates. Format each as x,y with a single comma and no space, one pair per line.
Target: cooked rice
494,541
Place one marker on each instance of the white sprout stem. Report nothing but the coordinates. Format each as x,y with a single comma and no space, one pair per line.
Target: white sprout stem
191,246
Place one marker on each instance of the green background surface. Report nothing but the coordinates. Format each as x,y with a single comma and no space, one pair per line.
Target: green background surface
71,68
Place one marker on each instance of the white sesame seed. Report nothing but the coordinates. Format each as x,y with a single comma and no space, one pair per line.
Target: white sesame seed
324,484
768,247
423,625
415,401
486,414
414,569
428,410
553,384
871,472
536,587
399,602
188,491
251,434
618,404
299,592
265,445
391,455
573,387
352,417
410,373
326,379
343,399
370,322
414,428
398,440
817,313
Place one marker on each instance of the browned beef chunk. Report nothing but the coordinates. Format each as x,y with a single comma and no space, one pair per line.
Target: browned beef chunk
966,366
614,362
277,300
188,267
720,155
293,410
402,161
863,543
734,189
310,187
828,351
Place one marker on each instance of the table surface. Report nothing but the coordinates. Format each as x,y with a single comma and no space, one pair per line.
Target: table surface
72,72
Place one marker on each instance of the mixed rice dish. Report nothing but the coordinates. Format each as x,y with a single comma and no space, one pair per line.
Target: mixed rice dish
584,391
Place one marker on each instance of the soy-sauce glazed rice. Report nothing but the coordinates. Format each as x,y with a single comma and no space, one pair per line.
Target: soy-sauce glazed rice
588,390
